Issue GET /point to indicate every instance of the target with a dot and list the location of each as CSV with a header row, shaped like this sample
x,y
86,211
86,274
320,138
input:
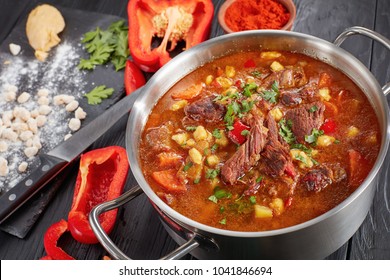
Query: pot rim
x,y
173,214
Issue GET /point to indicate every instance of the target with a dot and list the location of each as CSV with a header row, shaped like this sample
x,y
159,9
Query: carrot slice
x,y
357,168
330,108
189,92
324,80
169,181
169,159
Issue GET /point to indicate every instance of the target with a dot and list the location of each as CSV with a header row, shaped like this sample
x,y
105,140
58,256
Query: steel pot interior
x,y
195,57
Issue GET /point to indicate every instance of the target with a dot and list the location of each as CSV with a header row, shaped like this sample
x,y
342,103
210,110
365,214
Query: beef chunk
x,y
158,139
290,97
247,154
317,180
276,154
304,118
205,109
290,77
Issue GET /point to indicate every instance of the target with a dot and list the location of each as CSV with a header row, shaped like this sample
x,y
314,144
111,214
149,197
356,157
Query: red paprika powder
x,y
256,14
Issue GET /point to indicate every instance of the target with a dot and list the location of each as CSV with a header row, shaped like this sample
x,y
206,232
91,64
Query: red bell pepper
x,y
329,126
173,20
236,134
250,63
134,78
102,176
50,240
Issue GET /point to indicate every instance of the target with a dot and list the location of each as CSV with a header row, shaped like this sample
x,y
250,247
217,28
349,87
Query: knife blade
x,y
62,155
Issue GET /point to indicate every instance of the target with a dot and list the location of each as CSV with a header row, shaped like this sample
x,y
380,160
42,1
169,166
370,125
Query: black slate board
x,y
77,23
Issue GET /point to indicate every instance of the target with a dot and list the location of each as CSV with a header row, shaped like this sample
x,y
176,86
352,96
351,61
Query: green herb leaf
x,y
259,179
301,147
221,193
252,199
256,73
249,89
187,166
286,132
221,209
313,109
301,158
196,181
271,95
336,141
213,199
191,128
99,93
246,106
223,221
214,147
217,133
245,132
212,173
275,86
312,138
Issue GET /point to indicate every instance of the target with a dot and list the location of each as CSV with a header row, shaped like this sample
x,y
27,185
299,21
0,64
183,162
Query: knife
x,y
62,155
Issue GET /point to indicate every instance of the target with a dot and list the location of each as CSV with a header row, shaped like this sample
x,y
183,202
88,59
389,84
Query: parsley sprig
x,y
272,94
99,93
104,46
285,131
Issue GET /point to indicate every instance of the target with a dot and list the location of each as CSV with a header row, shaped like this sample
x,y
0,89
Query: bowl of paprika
x,y
241,15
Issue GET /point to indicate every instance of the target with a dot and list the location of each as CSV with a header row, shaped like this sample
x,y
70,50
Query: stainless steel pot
x,y
314,239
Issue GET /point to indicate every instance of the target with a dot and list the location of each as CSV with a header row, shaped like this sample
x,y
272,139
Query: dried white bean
x,y
9,134
41,120
18,127
72,106
3,167
74,124
9,87
24,97
43,100
80,113
43,92
37,142
9,96
23,166
32,125
25,135
44,110
34,113
14,49
30,151
22,113
3,146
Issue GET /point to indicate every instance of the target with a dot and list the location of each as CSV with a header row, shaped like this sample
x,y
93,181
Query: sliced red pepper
x,y
236,133
357,168
250,63
134,78
102,176
50,240
174,20
329,126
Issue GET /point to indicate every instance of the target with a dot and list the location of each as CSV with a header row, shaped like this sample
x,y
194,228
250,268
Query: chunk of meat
x,y
318,179
158,139
276,154
304,118
290,97
290,77
247,154
205,109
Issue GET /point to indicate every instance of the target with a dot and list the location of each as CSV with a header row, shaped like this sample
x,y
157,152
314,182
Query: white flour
x,y
59,75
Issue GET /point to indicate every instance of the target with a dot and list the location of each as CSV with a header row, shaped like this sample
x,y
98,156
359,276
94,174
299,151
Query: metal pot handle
x,y
110,246
369,33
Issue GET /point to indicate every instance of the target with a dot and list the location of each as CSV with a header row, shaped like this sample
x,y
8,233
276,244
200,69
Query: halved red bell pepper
x,y
134,78
50,240
172,20
102,176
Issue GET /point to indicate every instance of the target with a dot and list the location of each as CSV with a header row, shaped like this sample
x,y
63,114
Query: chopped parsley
x,y
259,179
214,147
213,198
187,166
212,173
256,73
246,106
312,138
221,209
285,131
245,132
336,141
271,95
191,128
223,221
301,147
313,109
252,199
221,193
104,46
99,93
217,133
301,158
249,89
196,181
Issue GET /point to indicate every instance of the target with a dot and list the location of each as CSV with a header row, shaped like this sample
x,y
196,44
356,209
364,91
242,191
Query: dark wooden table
x,y
138,230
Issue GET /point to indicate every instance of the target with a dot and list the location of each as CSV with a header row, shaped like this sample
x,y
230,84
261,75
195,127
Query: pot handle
x,y
369,33
110,246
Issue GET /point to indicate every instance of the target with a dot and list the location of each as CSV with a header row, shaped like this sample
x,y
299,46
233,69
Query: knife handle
x,y
48,168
